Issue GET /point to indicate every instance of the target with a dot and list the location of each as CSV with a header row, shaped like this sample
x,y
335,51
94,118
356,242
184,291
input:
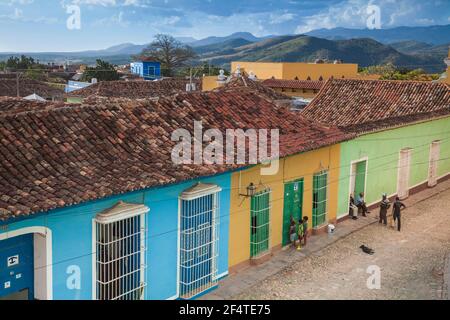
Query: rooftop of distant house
x,y
136,89
8,88
45,162
294,84
244,82
369,105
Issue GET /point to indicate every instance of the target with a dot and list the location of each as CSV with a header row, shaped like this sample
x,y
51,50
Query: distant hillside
x,y
222,47
432,34
410,47
237,35
302,48
421,48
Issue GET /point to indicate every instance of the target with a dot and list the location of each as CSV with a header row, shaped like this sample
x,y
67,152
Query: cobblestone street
x,y
411,261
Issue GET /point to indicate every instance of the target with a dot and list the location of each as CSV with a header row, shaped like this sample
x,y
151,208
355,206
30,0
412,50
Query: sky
x,y
42,25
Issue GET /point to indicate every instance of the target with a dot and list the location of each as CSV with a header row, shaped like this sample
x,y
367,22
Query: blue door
x,y
17,268
196,246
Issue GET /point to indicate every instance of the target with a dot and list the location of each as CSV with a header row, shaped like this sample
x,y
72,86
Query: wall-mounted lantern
x,y
251,190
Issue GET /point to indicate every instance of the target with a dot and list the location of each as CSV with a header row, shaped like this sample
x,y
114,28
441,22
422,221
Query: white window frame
x,y
404,172
435,150
121,215
209,190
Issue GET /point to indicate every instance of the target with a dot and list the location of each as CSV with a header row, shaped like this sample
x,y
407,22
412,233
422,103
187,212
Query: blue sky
x,y
40,25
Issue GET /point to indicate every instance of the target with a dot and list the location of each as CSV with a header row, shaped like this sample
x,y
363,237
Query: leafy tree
x,y
171,53
21,63
391,72
103,71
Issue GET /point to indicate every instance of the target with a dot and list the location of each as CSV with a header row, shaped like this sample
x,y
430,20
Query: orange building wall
x,y
301,70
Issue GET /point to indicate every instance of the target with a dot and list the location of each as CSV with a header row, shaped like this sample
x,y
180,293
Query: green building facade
x,y
393,160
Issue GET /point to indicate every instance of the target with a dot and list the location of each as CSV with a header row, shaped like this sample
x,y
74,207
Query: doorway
x,y
293,206
17,268
26,264
358,177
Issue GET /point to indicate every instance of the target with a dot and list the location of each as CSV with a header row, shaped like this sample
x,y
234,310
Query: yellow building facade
x,y
297,70
292,169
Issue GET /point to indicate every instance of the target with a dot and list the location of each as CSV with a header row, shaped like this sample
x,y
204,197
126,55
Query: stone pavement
x,y
446,280
236,284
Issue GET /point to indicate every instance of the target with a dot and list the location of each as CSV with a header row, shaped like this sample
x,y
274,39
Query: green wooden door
x,y
319,214
260,223
293,206
360,178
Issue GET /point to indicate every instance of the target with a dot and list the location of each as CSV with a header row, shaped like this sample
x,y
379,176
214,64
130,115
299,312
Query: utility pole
x,y
17,84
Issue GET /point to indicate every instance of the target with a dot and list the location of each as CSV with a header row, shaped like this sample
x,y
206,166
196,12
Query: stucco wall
x,y
301,70
291,168
72,238
382,150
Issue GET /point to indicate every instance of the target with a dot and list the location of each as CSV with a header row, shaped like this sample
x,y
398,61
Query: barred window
x,y
320,198
199,239
260,223
120,252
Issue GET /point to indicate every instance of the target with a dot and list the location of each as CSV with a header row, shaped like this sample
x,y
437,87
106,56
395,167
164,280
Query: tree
x,y
171,53
103,71
391,72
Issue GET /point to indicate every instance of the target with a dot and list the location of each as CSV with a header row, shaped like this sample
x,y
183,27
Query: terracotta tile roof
x,y
368,105
8,88
12,105
293,84
134,89
243,82
63,155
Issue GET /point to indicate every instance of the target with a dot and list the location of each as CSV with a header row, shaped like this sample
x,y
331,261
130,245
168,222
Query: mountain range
x,y
302,48
411,47
435,35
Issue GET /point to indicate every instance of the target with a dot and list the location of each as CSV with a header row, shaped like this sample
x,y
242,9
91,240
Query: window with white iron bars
x,y
260,208
199,244
320,198
121,258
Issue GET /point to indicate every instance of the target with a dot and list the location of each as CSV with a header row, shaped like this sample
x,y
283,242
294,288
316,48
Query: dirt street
x,y
411,261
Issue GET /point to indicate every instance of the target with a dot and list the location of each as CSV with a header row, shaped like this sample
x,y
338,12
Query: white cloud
x,y
281,18
351,13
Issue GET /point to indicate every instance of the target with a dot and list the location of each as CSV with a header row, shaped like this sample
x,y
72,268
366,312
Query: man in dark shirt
x,y
396,211
384,206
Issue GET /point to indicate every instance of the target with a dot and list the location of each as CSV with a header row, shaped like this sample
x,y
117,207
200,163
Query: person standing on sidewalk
x,y
302,232
396,212
305,230
384,206
361,204
293,232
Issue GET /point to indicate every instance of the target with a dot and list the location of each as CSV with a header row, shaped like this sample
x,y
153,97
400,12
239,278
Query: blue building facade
x,y
84,252
149,70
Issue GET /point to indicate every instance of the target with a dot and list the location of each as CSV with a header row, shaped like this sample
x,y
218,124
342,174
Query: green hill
x,y
301,48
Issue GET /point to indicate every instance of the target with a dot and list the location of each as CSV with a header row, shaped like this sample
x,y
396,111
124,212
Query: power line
x,y
147,237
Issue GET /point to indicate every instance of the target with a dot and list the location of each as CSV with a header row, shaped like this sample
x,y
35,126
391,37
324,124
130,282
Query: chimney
x,y
237,73
221,78
252,76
